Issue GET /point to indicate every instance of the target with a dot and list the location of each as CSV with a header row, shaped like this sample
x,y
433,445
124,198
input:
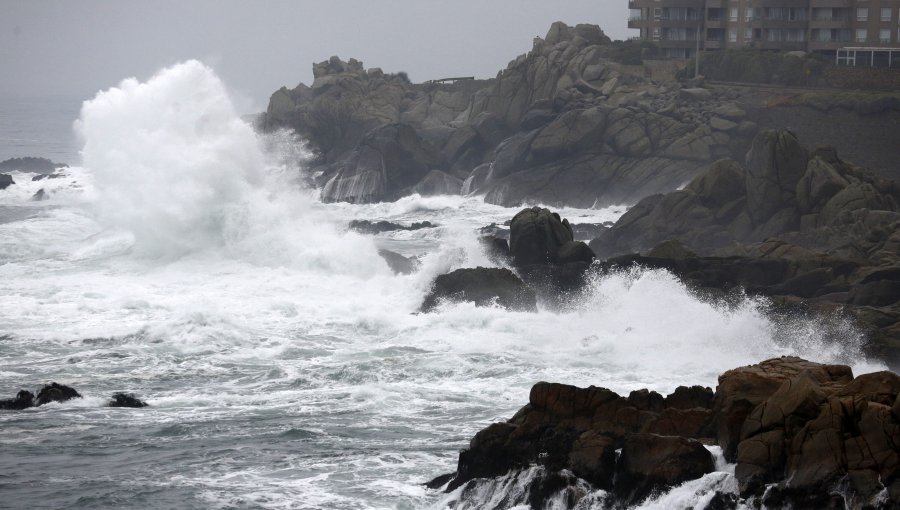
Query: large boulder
x,y
55,392
539,236
6,181
482,286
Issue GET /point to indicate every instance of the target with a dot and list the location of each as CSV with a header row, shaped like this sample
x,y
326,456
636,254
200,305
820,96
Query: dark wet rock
x,y
125,400
482,286
377,227
54,392
30,164
398,263
6,181
651,462
796,429
439,481
564,427
539,236
40,195
23,400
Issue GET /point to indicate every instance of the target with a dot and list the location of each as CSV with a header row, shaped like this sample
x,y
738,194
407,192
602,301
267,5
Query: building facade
x,y
681,27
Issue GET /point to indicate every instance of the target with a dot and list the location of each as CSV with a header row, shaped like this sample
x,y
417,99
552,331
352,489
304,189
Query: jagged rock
x,y
798,430
125,400
398,263
482,286
651,462
40,195
6,181
54,392
23,400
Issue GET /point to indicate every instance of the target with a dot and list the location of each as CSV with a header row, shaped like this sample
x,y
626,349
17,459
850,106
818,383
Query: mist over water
x,y
285,365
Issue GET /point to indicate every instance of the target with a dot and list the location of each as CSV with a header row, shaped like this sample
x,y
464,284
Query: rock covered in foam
x,y
125,400
482,286
55,392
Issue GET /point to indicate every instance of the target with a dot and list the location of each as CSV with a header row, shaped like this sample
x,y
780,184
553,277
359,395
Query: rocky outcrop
x,y
125,400
563,124
346,101
798,432
800,226
809,198
482,286
6,181
30,164
55,392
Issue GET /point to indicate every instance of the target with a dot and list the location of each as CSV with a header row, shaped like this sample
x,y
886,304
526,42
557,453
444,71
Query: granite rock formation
x,y
562,124
799,432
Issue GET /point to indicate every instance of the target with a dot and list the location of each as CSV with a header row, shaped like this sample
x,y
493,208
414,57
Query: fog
x,y
76,48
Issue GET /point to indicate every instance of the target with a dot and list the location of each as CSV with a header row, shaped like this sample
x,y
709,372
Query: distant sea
x,y
39,126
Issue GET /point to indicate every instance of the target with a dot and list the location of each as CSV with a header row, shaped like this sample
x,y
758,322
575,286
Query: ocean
x,y
182,259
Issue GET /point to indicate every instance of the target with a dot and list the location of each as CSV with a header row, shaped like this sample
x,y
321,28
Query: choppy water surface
x,y
285,365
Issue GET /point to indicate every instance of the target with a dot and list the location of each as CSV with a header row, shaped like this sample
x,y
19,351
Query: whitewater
x,y
285,365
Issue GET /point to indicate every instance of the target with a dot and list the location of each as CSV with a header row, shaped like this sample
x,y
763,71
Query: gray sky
x,y
78,47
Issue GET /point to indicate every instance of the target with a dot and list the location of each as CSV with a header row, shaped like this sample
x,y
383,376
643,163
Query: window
x,y
886,13
732,35
884,35
748,14
732,14
862,14
748,34
861,35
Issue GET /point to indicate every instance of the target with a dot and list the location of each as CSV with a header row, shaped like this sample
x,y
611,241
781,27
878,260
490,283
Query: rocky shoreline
x,y
801,435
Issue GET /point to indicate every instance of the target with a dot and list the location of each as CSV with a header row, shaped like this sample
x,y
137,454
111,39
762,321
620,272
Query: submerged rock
x,y
125,400
54,392
482,286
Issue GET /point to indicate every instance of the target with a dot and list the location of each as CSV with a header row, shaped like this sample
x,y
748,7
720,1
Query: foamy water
x,y
285,365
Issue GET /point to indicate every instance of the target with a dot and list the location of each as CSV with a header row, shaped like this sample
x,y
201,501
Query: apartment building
x,y
680,27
